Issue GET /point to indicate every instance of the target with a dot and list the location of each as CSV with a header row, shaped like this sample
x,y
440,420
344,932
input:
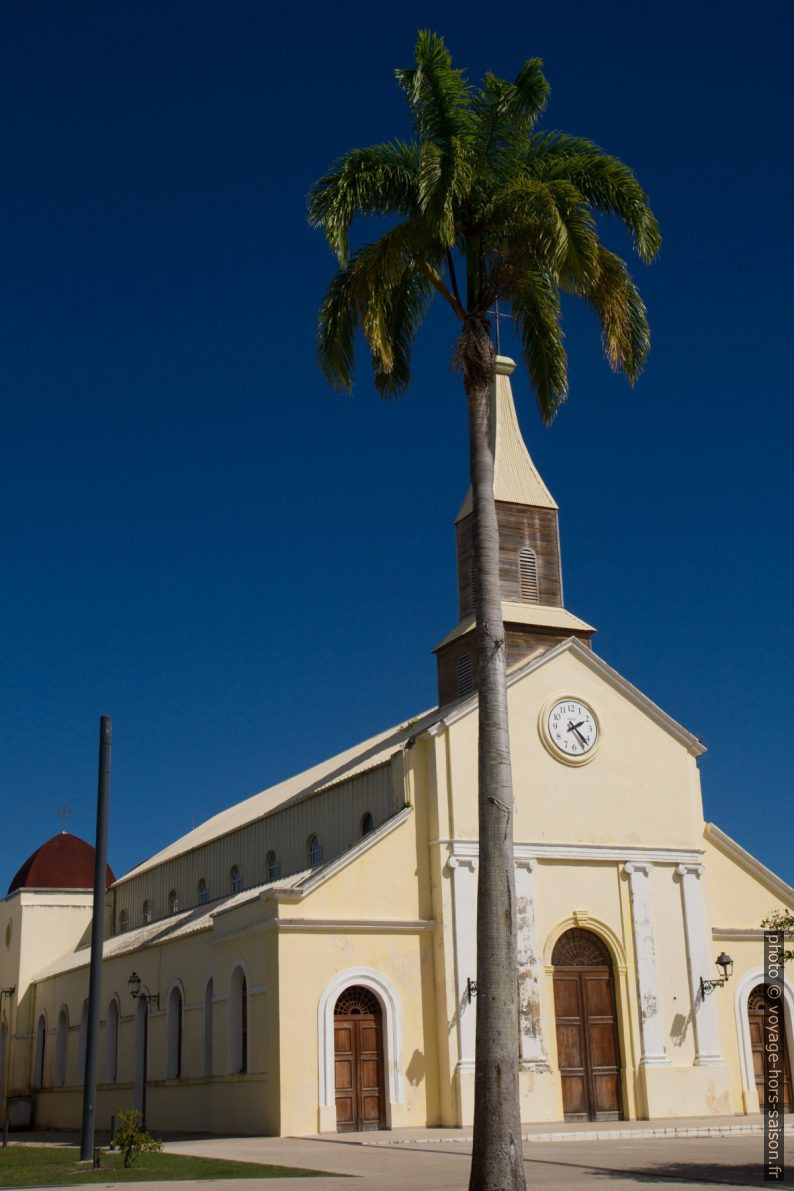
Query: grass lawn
x,y
41,1166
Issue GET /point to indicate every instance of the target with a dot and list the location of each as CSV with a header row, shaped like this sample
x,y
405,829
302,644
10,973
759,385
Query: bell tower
x,y
530,571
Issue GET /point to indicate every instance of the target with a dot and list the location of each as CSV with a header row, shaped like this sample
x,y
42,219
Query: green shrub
x,y
130,1138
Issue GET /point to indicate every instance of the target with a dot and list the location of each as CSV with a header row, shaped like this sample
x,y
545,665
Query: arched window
x,y
367,823
146,913
238,1023
173,1066
203,892
208,1028
465,679
314,851
235,879
528,574
61,1045
112,1042
273,867
38,1061
173,902
124,921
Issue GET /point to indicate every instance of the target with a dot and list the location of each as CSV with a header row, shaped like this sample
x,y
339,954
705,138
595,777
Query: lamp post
x,y
151,1000
725,965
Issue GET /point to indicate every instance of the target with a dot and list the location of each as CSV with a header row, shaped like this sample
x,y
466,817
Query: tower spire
x,y
529,556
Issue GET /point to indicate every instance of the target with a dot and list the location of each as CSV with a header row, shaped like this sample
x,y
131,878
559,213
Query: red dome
x,y
64,862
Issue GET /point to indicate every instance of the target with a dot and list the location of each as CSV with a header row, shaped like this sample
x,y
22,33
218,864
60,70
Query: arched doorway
x,y
756,1006
588,1048
358,1061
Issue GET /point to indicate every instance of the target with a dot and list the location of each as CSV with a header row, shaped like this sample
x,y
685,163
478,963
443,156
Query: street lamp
x,y
134,985
725,965
152,1001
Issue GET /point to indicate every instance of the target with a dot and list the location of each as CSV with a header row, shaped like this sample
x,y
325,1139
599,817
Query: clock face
x,y
572,727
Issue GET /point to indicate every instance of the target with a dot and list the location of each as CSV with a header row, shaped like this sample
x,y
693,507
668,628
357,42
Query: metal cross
x,y
64,811
497,315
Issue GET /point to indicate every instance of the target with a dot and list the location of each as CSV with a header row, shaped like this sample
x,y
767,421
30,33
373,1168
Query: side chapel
x,y
302,961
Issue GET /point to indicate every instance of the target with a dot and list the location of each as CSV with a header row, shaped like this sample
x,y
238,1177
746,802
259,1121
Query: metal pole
x,y
97,939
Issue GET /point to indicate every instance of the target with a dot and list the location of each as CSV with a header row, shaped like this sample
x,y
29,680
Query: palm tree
x,y
480,208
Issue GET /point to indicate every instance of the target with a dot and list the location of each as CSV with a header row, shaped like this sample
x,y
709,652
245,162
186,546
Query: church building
x,y
304,961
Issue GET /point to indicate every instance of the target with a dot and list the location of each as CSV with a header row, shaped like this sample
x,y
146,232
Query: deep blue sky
x,y
248,572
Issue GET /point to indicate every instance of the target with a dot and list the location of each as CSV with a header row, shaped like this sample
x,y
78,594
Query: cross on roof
x,y
64,811
496,312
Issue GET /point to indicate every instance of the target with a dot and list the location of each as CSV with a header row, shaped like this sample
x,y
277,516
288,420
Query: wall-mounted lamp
x,y
471,988
725,965
7,992
134,985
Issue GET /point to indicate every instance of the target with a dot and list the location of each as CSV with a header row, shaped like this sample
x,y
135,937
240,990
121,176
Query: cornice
x,y
593,662
741,856
629,854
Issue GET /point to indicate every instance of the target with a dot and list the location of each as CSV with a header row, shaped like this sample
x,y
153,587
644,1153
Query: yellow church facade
x,y
305,960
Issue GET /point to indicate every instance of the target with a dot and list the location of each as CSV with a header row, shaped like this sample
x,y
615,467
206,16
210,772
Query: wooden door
x,y
588,1049
358,1062
755,1014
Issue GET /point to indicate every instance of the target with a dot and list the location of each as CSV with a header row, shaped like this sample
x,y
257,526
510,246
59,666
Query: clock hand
x,y
575,728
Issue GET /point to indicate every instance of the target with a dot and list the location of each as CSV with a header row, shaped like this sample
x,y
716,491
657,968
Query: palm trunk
x,y
497,1160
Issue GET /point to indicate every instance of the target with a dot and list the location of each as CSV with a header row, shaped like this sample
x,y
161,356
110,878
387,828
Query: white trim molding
x,y
463,869
748,982
530,1008
607,853
389,1000
593,662
749,863
651,1032
699,963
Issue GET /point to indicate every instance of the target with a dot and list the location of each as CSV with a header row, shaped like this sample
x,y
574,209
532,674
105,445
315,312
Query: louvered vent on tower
x,y
528,569
464,672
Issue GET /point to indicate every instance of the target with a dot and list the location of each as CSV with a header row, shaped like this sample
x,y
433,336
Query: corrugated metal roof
x,y
540,615
349,763
516,479
176,926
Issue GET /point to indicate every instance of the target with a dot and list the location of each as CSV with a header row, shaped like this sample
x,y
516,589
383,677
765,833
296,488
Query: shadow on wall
x,y
415,1071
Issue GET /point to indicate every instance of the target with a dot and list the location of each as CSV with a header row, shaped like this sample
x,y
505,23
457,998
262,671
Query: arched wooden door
x,y
358,1061
588,1048
755,1013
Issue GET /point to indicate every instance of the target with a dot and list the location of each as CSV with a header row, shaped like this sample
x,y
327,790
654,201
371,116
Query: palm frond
x,y
439,99
337,324
607,184
536,313
378,180
625,333
506,112
409,302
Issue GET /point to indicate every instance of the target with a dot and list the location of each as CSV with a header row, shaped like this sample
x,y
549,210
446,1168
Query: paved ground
x,y
558,1157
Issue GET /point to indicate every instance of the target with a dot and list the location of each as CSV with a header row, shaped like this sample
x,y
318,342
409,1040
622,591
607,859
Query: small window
x,y
235,879
173,902
273,867
124,921
464,675
146,912
528,572
314,851
473,583
367,824
203,892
